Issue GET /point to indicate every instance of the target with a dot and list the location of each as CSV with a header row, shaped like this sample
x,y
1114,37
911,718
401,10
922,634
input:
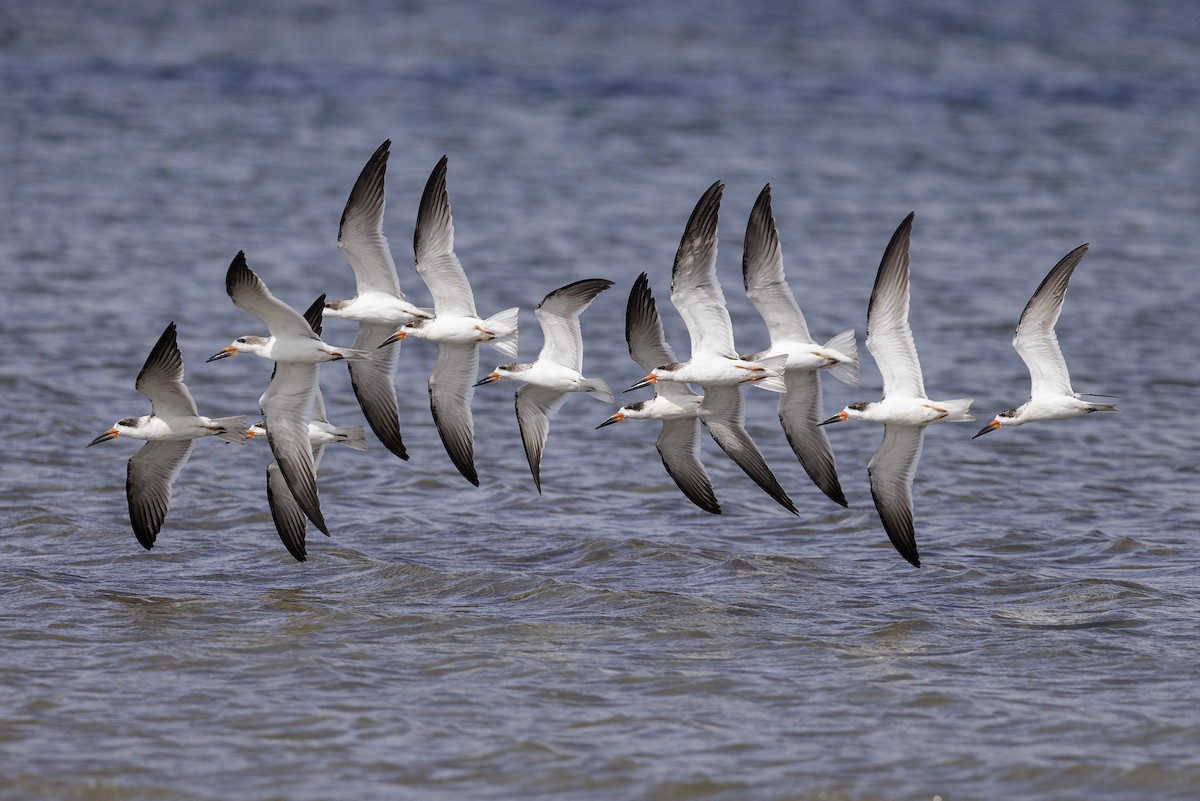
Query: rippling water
x,y
605,640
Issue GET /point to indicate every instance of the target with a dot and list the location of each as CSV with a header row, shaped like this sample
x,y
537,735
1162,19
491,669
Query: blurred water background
x,y
605,640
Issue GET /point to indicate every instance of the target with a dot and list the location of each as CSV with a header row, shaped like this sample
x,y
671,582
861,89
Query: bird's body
x,y
290,338
321,434
379,306
696,294
151,427
297,350
552,377
168,432
909,411
1051,396
675,404
714,364
456,326
682,406
558,369
808,357
294,350
905,410
289,517
725,372
465,330
375,308
378,299
800,406
1040,408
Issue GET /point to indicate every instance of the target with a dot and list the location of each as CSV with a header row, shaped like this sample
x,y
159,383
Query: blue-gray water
x,y
606,640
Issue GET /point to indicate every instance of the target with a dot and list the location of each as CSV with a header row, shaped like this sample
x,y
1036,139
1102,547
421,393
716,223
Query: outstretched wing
x,y
161,378
889,337
374,388
559,313
1035,339
148,480
535,406
290,522
679,447
360,234
433,247
891,472
800,415
722,412
762,273
695,290
286,409
644,329
451,387
249,292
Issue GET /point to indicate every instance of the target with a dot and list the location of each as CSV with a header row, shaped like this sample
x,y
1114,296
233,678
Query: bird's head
x,y
129,426
664,372
1004,418
413,328
855,411
246,344
634,411
501,372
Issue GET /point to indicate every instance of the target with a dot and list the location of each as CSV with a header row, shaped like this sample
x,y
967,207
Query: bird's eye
x,y
242,340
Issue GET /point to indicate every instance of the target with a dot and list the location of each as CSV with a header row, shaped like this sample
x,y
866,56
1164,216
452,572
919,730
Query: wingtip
x,y
238,272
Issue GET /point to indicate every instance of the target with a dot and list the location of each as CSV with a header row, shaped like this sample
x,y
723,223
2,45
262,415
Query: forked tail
x,y
504,326
773,380
957,410
350,354
1101,407
599,389
352,437
231,429
845,345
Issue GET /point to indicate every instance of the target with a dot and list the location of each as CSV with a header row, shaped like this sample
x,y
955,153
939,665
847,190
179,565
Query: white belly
x,y
459,330
905,411
663,408
1051,407
177,428
551,376
304,351
716,372
376,308
805,356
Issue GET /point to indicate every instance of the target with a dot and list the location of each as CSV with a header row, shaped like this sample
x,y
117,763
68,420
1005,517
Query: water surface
x,y
606,639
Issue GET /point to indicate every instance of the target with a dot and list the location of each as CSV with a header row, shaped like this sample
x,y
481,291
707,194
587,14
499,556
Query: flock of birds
x,y
295,425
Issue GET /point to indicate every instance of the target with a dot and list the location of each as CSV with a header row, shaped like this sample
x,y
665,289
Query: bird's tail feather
x,y
773,380
354,437
350,354
1102,407
599,389
231,429
847,371
957,410
504,326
